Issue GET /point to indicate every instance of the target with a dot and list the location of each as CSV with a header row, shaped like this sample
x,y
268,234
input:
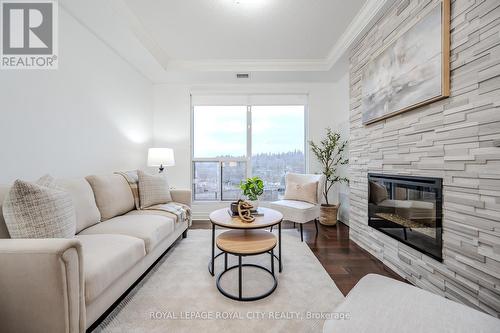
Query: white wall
x,y
92,115
328,106
341,124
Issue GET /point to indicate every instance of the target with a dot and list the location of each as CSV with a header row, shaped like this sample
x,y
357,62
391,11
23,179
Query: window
x,y
220,131
277,146
231,143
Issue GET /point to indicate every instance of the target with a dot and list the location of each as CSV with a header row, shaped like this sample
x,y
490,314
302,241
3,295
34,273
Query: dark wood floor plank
x,y
344,260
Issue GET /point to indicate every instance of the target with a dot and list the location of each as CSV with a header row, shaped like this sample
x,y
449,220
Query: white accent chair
x,y
299,211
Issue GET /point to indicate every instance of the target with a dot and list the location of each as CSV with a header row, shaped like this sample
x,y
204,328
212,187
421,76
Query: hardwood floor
x,y
345,261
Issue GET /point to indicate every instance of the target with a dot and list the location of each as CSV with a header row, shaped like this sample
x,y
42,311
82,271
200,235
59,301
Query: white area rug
x,y
179,295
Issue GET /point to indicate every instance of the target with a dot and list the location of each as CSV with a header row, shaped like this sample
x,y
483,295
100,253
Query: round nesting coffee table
x,y
243,243
222,218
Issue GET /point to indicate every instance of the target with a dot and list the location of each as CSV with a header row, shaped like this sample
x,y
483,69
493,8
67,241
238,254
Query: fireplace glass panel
x,y
407,209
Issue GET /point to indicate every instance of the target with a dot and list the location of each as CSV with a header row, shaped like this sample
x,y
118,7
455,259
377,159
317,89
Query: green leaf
x,y
252,187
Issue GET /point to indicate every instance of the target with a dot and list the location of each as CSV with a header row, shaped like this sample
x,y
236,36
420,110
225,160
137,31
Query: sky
x,y
221,130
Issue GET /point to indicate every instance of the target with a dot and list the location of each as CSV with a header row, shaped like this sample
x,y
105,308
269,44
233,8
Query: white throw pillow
x,y
302,192
153,190
39,210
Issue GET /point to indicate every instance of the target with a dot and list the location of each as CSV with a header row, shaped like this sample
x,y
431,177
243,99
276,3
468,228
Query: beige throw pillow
x,y
153,189
87,213
302,192
39,210
113,195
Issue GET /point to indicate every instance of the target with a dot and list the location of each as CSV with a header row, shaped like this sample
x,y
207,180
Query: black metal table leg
x,y
239,296
279,246
213,249
272,261
301,233
239,277
225,260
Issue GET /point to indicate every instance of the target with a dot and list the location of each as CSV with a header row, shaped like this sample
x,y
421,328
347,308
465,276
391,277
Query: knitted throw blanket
x,y
180,212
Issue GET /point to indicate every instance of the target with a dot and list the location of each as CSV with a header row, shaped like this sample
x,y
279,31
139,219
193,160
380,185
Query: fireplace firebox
x,y
408,209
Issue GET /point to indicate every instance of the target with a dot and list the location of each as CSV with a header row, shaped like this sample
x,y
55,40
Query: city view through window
x,y
232,143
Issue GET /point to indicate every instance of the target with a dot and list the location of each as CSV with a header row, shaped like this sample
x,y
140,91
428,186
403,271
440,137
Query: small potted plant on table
x,y
253,188
330,154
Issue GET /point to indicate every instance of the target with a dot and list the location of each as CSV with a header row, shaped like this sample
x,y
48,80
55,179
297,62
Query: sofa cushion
x,y
152,229
153,189
87,213
381,304
4,233
39,210
113,195
106,258
155,212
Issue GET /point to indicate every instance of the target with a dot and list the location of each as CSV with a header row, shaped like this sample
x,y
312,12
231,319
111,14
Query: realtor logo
x,y
29,34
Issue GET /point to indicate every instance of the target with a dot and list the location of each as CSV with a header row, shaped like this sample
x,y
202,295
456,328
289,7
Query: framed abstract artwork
x,y
412,71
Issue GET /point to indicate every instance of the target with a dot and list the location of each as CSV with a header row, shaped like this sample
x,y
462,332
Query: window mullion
x,y
220,180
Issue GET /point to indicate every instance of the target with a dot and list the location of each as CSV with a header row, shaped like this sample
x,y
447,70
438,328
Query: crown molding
x,y
136,27
364,19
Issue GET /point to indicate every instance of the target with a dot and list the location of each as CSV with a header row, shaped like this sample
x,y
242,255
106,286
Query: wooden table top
x,y
222,218
246,241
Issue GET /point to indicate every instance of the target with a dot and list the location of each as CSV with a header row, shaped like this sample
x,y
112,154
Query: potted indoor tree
x,y
330,154
253,188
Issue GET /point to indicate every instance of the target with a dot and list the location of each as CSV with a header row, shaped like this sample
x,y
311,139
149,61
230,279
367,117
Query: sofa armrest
x,y
182,196
42,285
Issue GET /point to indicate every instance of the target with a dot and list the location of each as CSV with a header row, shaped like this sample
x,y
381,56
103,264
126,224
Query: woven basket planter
x,y
328,215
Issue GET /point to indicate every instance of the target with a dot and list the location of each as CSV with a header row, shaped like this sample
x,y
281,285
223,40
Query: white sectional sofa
x,y
65,285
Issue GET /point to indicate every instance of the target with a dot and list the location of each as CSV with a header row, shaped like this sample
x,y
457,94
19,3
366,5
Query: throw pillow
x,y
307,192
378,193
39,210
153,190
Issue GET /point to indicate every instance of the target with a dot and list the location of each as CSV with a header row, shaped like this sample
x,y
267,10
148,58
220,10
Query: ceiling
x,y
251,29
199,41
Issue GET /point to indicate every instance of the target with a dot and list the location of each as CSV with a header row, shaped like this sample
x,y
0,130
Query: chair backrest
x,y
307,178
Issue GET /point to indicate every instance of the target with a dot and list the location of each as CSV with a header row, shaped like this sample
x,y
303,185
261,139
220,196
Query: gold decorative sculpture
x,y
245,211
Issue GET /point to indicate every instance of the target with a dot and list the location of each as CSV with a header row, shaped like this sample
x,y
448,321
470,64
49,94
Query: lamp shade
x,y
160,156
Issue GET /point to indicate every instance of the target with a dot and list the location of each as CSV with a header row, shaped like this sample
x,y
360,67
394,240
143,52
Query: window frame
x,y
248,158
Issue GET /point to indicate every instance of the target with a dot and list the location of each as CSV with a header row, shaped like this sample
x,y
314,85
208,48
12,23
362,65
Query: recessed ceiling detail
x,y
195,36
223,29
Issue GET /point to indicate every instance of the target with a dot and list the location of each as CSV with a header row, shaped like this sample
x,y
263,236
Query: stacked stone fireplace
x,y
452,139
